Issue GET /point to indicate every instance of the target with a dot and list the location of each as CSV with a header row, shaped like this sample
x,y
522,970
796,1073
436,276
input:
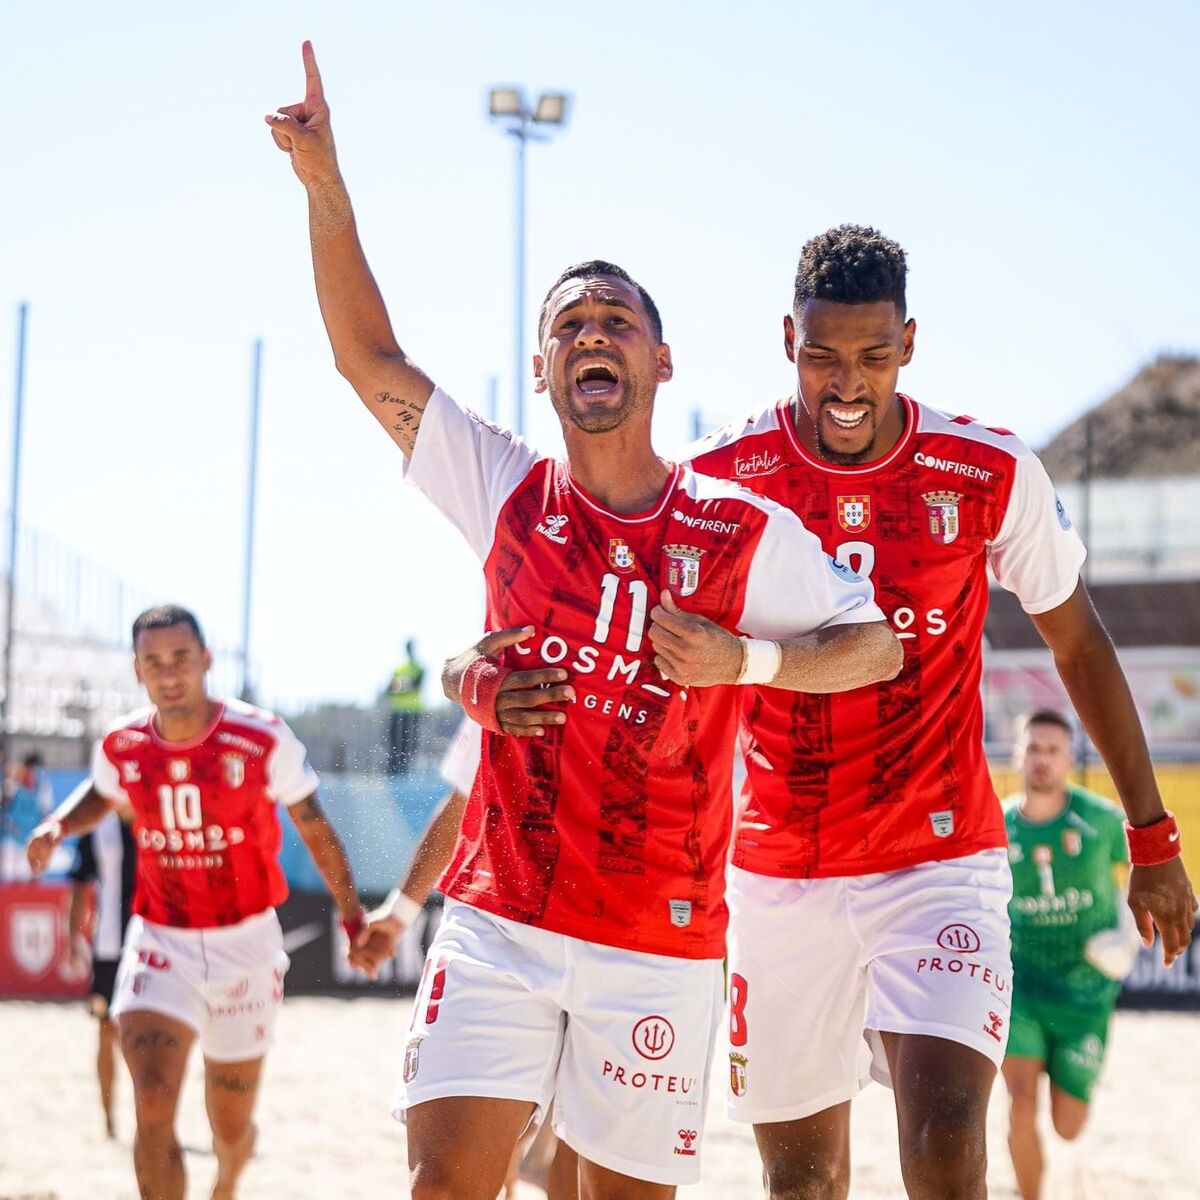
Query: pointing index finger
x,y
312,75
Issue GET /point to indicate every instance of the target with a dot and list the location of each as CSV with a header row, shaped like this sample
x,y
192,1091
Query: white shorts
x,y
226,983
820,967
622,1041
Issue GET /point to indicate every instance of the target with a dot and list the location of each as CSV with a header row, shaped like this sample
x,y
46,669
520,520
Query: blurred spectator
x,y
404,692
28,799
106,857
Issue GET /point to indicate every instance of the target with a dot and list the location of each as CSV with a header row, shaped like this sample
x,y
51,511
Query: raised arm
x,y
1087,664
394,389
81,811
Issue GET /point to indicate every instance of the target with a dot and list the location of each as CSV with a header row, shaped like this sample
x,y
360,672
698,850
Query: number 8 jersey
x,y
205,824
614,827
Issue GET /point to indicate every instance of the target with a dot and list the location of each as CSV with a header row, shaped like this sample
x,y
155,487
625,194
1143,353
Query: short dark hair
x,y
1049,716
851,264
597,268
33,759
164,616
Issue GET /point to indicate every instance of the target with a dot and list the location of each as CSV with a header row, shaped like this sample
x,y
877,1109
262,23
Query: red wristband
x,y
1152,844
354,926
480,686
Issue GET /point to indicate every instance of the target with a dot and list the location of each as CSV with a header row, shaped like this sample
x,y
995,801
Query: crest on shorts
x,y
620,557
178,769
941,511
235,769
683,568
31,938
854,512
737,1074
412,1059
942,823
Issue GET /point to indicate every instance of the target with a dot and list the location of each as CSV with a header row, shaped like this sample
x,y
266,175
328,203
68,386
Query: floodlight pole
x,y
13,500
245,690
521,133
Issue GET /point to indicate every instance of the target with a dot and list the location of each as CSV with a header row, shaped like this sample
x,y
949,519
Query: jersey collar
x,y
911,416
191,743
651,514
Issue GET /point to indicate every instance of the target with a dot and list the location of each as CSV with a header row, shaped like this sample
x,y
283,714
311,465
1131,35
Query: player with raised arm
x,y
580,955
1073,939
869,887
203,955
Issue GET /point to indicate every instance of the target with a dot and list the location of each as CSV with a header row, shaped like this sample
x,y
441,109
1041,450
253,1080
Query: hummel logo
x,y
552,528
1174,837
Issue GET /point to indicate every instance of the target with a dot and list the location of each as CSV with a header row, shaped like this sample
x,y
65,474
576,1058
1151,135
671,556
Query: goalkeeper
x,y
1073,939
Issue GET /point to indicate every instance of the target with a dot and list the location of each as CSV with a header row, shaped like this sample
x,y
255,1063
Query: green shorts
x,y
1070,1041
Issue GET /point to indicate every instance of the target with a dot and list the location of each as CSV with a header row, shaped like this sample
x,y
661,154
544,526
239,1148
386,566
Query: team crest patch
x,y
683,568
942,823
620,556
235,770
412,1059
854,512
737,1074
177,769
942,515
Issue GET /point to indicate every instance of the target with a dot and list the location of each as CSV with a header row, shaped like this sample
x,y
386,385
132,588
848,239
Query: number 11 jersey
x,y
614,827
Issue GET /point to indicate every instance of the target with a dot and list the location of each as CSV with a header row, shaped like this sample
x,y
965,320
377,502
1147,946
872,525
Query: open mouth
x,y
596,379
847,419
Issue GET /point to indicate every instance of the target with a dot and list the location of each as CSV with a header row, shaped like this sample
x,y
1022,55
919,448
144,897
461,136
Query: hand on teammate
x,y
303,130
1162,896
522,704
691,649
39,850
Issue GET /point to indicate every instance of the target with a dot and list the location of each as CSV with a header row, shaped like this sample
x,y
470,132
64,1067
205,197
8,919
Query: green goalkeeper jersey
x,y
1064,891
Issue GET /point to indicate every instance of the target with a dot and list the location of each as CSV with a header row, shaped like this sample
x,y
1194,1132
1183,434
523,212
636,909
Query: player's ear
x,y
664,368
910,334
137,670
789,337
207,660
539,374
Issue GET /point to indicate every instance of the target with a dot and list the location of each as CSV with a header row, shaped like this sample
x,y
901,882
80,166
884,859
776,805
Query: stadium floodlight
x,y
506,106
551,108
506,102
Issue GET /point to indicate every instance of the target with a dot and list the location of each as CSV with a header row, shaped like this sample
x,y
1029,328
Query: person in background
x,y
28,798
404,691
106,858
1073,939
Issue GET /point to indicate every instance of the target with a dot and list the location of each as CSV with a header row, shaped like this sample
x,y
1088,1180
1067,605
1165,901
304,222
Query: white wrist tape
x,y
402,906
763,660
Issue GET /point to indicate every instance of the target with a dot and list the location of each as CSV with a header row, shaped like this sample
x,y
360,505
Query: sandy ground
x,y
326,1135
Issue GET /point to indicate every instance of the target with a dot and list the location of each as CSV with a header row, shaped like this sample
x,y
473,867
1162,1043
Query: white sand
x,y
326,1135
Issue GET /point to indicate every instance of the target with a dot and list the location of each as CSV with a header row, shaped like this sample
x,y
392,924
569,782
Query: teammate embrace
x,y
579,960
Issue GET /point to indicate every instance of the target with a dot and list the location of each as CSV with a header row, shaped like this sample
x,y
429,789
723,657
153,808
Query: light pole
x,y
507,107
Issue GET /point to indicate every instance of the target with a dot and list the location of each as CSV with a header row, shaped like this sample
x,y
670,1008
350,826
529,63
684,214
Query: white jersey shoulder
x,y
238,712
761,420
130,720
968,429
704,488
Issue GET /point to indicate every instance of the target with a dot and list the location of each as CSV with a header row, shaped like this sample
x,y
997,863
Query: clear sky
x,y
1037,161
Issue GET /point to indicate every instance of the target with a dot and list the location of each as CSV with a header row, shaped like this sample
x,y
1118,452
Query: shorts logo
x,y
854,512
620,556
942,515
412,1059
688,1138
154,960
737,1074
1061,512
942,823
178,769
992,1028
961,938
681,913
238,991
653,1037
683,568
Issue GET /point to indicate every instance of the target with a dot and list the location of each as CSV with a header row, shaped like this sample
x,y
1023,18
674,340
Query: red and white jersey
x,y
891,775
614,828
205,823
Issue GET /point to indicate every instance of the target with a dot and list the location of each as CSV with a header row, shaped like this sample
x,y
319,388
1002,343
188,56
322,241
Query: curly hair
x,y
597,268
851,264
